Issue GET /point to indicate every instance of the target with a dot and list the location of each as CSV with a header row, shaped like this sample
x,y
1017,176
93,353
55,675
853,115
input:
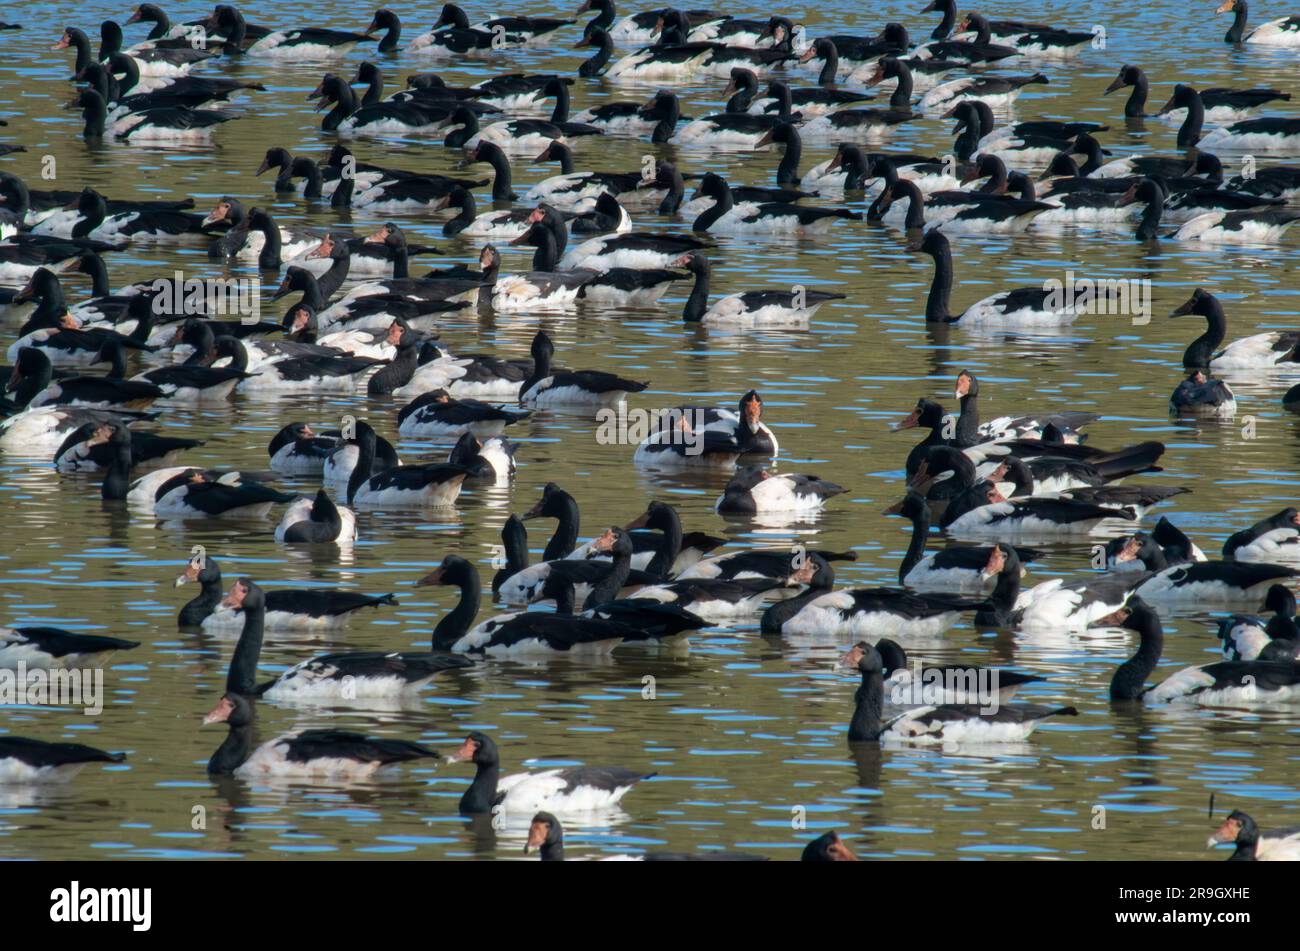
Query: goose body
x,y
317,521
946,724
1227,683
49,648
1284,31
1258,351
575,789
26,761
1271,540
319,609
754,490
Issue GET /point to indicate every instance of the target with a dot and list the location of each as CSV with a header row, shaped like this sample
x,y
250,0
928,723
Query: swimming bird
x,y
947,724
24,760
337,755
1284,31
574,789
1272,349
1227,683
1023,307
1252,844
280,609
317,521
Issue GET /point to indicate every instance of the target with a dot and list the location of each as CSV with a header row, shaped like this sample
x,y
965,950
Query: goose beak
x,y
220,713
432,578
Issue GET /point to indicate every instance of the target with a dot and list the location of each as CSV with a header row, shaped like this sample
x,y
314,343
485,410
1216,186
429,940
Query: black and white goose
x,y
1022,307
154,59
596,571
33,381
501,225
436,414
50,648
957,568
1199,395
194,381
329,755
634,117
467,376
349,117
1193,108
1055,605
192,493
322,372
92,220
775,564
491,458
580,388
917,684
677,443
1279,348
601,214
1284,31
563,191
744,423
641,250
757,309
89,447
317,521
373,306
756,491
281,609
1252,844
1252,638
946,724
43,432
1258,226
307,44
574,789
349,675
659,546
718,599
957,212
1230,683
737,130
1273,539
524,136
999,92
515,30
822,611
1232,583
543,288
298,449
432,484
726,216
1030,39
258,237
26,761
985,512
162,126
525,633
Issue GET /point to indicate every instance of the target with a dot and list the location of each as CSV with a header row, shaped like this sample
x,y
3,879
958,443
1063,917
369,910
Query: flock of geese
x,y
85,373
